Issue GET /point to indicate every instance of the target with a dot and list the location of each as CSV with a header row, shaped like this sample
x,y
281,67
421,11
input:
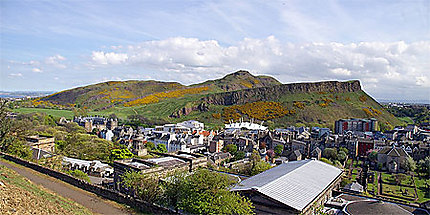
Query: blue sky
x,y
55,45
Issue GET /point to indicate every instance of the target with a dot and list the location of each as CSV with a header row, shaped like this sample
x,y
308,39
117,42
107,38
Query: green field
x,y
423,190
406,120
399,191
53,112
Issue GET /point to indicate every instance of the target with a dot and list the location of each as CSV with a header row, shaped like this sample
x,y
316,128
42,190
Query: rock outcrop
x,y
274,92
202,107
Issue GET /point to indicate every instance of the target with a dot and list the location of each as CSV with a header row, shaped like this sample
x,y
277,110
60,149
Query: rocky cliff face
x,y
274,92
202,107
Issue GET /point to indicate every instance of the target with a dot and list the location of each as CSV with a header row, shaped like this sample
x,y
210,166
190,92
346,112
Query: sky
x,y
57,45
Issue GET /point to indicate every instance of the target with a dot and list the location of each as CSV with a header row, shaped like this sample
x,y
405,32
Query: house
x,y
390,158
298,145
354,124
46,143
291,188
216,144
293,155
218,157
95,122
364,145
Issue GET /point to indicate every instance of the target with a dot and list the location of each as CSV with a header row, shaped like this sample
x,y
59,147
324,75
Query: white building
x,y
246,125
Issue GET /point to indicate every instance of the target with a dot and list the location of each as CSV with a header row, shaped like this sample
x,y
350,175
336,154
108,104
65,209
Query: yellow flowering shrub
x,y
298,104
371,112
154,98
257,110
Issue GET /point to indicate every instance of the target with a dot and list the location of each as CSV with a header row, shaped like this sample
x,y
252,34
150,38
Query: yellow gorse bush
x,y
257,110
156,97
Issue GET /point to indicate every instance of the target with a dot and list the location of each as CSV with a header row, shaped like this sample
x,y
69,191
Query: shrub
x,y
79,174
161,148
257,110
119,154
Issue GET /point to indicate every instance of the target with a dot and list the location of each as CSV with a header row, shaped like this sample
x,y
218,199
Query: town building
x,y
95,122
93,168
291,188
391,158
43,142
355,124
161,163
245,125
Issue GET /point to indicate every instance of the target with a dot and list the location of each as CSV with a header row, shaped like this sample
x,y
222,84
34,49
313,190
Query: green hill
x,y
237,95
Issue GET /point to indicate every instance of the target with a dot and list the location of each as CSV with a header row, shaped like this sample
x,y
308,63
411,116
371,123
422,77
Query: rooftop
x,y
295,184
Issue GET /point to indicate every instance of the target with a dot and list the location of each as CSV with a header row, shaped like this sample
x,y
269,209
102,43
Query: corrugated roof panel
x,y
269,175
295,183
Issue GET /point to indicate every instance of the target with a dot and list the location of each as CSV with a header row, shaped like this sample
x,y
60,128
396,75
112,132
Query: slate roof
x,y
354,187
394,152
295,184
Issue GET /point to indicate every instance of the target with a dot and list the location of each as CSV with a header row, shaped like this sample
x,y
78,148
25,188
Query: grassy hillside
x,y
111,94
20,196
237,95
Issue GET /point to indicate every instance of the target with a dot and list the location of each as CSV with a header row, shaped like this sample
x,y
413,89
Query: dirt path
x,y
93,202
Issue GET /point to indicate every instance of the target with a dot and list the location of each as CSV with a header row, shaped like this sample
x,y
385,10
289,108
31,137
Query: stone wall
x,y
100,191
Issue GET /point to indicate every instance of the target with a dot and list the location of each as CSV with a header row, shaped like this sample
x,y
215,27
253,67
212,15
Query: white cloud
x,y
56,61
36,70
108,58
341,71
385,69
16,74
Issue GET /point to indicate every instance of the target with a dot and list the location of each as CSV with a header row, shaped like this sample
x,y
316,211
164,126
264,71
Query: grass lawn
x,y
387,178
398,191
407,120
422,190
20,196
53,112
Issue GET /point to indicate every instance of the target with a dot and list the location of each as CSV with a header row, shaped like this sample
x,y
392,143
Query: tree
x,y
343,149
409,164
231,148
424,166
5,127
279,149
341,156
330,153
20,149
150,145
260,167
373,156
206,192
325,160
239,155
145,186
161,148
